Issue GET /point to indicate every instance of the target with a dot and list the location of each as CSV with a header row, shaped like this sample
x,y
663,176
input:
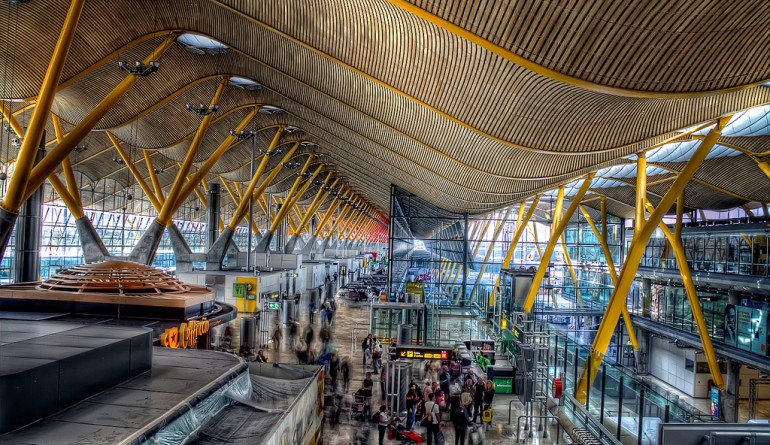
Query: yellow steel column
x,y
641,192
679,212
285,207
692,297
329,213
61,190
340,218
496,234
567,260
317,200
15,125
226,144
252,190
292,201
153,177
480,236
532,229
174,194
613,274
634,256
56,156
25,159
69,174
132,168
545,258
521,224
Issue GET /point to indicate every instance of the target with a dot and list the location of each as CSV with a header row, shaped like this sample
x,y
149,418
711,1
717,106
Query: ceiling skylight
x,y
198,44
246,84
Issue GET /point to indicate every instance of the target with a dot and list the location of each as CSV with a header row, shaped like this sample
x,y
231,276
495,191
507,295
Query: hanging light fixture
x,y
202,110
80,148
139,69
291,165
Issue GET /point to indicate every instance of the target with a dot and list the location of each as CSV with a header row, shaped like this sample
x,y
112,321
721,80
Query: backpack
x,y
466,398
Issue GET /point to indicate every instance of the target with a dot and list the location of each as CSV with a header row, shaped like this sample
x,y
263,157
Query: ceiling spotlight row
x,y
139,69
202,110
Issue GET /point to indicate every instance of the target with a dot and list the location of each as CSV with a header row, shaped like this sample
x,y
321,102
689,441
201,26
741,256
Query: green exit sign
x,y
293,275
273,305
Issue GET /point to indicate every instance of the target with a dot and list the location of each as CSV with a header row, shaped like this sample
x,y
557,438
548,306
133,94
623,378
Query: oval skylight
x,y
246,84
270,109
198,44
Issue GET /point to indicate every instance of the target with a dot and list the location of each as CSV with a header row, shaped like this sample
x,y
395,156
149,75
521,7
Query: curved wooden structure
x,y
471,105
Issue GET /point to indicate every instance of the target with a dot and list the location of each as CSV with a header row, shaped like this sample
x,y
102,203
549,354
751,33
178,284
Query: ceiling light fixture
x,y
202,110
291,165
118,161
290,129
158,170
139,69
80,148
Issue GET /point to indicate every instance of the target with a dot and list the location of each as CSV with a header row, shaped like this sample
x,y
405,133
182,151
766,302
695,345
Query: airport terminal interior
x,y
384,222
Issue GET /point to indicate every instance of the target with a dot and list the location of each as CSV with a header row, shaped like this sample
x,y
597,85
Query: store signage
x,y
714,401
423,352
186,335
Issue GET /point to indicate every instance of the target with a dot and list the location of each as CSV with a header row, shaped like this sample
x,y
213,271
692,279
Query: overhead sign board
x,y
423,353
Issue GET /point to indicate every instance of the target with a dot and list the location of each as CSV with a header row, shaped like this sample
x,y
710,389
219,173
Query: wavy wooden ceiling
x,y
393,97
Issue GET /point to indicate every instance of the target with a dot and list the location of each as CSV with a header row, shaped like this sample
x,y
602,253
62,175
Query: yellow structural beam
x,y
602,237
567,260
252,190
692,297
64,195
496,234
641,192
338,221
174,194
223,147
556,232
291,200
634,256
319,197
532,229
286,206
521,223
25,159
14,124
154,177
480,236
330,212
56,156
132,168
69,173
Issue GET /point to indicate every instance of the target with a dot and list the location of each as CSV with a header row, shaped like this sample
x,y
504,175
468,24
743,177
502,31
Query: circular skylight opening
x,y
292,130
246,84
198,44
270,109
307,144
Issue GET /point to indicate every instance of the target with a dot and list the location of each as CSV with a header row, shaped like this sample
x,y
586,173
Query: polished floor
x,y
350,323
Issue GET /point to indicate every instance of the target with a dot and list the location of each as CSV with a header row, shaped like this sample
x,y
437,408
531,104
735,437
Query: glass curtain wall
x,y
119,230
456,259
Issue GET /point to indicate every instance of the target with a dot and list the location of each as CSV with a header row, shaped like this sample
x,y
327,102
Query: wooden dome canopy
x,y
124,278
469,105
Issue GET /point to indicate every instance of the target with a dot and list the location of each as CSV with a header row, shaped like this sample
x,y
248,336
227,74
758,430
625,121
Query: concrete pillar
x,y
145,249
29,233
731,398
212,214
309,246
92,245
289,247
643,353
182,251
216,253
646,296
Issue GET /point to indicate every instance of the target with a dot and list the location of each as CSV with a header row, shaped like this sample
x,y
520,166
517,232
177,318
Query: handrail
x,y
545,429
